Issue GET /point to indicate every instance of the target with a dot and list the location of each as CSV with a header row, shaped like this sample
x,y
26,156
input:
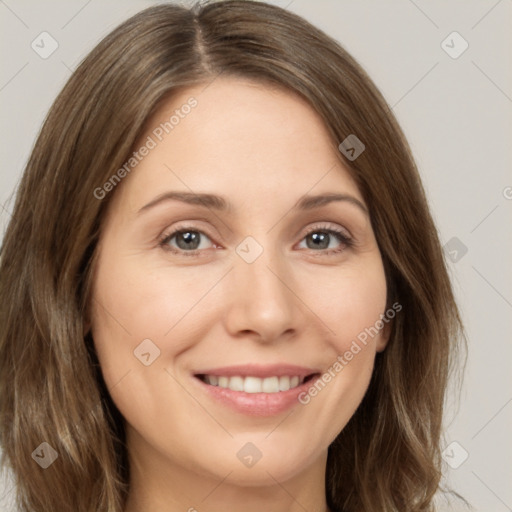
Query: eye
x,y
326,240
190,241
186,240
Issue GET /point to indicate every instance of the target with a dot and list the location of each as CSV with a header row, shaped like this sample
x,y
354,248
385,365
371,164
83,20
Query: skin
x,y
262,149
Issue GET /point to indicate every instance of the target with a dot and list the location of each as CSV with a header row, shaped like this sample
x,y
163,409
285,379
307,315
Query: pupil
x,y
321,240
187,240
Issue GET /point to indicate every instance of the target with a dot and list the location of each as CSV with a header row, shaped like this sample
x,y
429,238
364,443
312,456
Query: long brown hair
x,y
51,390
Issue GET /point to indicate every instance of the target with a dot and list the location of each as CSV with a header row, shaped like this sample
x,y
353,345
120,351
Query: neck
x,y
159,485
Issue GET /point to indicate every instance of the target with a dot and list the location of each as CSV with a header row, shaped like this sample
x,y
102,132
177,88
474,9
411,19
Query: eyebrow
x,y
215,202
309,202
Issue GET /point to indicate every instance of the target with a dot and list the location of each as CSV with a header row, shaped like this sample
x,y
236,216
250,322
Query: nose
x,y
262,303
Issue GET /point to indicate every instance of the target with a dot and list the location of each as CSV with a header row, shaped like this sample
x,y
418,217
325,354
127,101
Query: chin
x,y
274,465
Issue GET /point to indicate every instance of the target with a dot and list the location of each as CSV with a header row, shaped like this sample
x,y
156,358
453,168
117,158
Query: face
x,y
238,316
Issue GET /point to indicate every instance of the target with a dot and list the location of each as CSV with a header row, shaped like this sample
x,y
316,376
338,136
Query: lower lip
x,y
256,404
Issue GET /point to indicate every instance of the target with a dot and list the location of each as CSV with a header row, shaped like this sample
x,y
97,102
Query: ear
x,y
384,335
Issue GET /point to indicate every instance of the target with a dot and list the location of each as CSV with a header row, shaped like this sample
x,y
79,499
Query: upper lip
x,y
261,371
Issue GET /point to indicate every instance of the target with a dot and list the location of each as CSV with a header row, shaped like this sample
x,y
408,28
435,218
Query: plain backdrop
x,y
456,111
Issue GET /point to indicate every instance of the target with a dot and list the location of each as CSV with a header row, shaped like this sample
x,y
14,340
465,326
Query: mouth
x,y
253,384
256,390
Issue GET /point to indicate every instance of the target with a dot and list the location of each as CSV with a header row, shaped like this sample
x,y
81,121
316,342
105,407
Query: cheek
x,y
351,306
350,302
143,302
135,301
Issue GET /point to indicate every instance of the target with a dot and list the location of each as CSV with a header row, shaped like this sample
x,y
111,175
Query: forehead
x,y
241,139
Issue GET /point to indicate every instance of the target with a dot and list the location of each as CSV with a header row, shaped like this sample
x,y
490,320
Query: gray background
x,y
456,113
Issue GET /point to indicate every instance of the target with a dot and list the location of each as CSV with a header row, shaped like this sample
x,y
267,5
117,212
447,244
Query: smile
x,y
255,390
253,384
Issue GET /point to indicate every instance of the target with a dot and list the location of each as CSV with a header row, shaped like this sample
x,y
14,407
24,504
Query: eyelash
x,y
345,240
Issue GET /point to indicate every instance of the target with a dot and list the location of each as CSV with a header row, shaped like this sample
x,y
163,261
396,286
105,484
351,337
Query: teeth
x,y
236,383
284,383
270,385
251,384
255,384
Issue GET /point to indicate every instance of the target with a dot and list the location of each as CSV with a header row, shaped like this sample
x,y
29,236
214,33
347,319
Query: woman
x,y
222,287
